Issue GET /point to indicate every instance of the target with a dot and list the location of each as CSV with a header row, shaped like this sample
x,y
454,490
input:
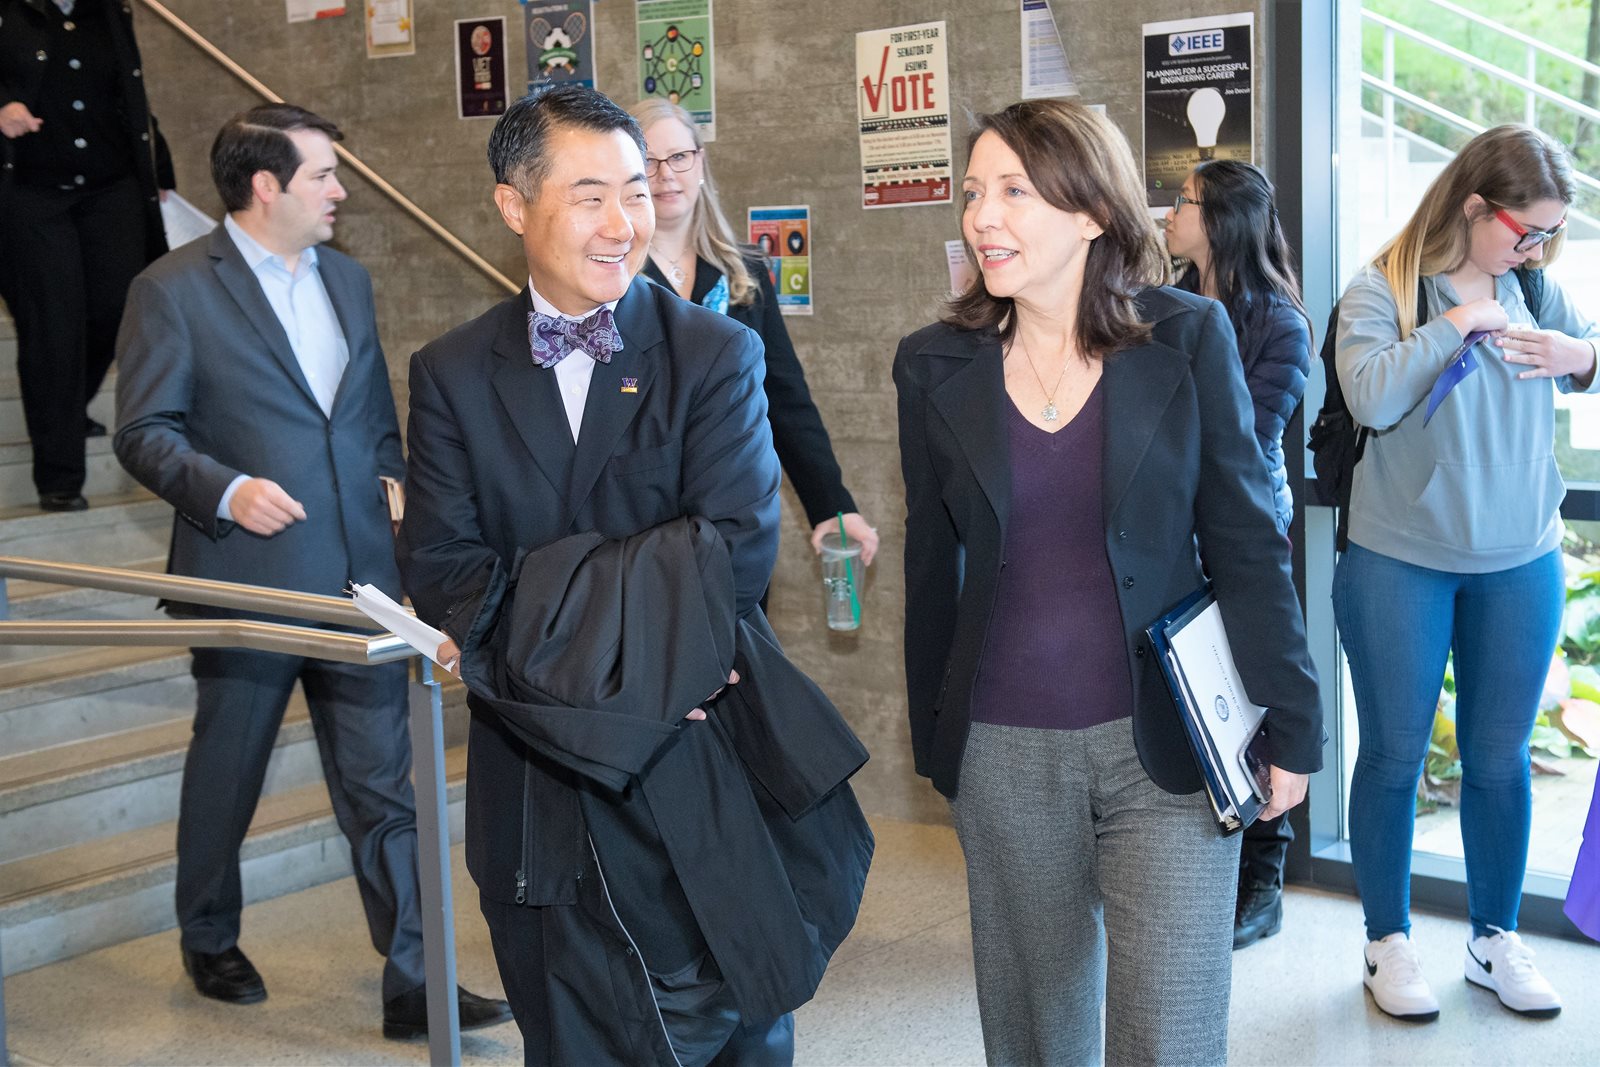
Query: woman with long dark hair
x,y
1455,540
1069,434
1225,224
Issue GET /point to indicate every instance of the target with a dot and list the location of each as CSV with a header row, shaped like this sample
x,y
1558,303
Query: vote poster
x,y
783,234
903,102
481,90
675,58
560,43
1198,102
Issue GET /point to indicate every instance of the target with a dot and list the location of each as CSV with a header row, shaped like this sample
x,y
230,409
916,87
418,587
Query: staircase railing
x,y
404,202
426,716
1534,94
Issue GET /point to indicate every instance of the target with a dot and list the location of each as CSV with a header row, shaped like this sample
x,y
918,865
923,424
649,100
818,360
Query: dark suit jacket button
x,y
1127,583
1122,535
1138,652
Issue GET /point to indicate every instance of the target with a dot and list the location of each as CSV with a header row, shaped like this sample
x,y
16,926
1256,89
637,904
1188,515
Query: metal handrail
x,y
1561,100
1518,36
213,633
425,715
404,202
235,595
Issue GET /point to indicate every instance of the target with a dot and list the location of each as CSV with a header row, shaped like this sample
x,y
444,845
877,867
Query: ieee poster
x,y
1197,98
391,30
560,43
783,234
481,91
903,101
1045,72
675,57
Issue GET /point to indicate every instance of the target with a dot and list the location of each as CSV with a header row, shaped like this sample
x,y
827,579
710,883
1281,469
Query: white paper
x,y
962,274
1045,71
1208,668
391,22
376,605
183,221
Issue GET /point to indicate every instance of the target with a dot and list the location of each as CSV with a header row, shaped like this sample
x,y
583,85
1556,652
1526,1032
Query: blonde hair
x,y
709,232
1509,166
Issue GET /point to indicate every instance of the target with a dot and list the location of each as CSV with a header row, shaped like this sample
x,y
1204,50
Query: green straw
x,y
849,573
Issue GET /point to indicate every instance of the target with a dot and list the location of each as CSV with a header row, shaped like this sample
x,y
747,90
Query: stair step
x,y
78,899
132,525
104,476
13,426
73,793
91,693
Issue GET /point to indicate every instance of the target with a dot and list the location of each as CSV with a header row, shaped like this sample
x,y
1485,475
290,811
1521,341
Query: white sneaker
x,y
1393,975
1504,964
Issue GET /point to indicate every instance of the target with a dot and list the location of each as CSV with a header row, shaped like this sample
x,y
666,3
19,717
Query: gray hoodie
x,y
1477,489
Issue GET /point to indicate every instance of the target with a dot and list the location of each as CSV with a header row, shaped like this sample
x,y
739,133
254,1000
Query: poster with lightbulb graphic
x,y
1198,98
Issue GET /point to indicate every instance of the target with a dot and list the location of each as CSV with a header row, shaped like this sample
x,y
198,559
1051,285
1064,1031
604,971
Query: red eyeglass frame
x,y
1528,239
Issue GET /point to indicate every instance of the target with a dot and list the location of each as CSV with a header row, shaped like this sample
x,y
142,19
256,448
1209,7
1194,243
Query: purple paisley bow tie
x,y
553,338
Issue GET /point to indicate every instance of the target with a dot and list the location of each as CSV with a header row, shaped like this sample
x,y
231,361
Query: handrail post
x,y
1388,123
5,1055
433,861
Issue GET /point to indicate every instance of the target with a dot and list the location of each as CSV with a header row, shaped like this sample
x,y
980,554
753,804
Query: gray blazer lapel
x,y
345,296
241,284
531,398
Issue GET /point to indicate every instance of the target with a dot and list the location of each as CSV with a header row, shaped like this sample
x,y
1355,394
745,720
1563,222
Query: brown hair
x,y
1509,166
1079,162
711,236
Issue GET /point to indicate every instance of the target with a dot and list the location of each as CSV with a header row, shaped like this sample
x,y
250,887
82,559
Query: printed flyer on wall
x,y
310,10
784,236
1197,98
903,101
675,57
1045,72
390,29
481,91
560,40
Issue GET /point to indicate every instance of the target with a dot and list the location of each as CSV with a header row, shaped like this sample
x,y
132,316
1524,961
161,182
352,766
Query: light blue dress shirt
x,y
300,301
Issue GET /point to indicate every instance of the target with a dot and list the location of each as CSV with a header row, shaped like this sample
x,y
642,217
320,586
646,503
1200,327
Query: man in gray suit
x,y
253,396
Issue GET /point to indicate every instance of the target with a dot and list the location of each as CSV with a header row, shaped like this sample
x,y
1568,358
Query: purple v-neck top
x,y
1054,658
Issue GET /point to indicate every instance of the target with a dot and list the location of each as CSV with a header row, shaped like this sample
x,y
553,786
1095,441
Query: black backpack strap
x,y
1531,280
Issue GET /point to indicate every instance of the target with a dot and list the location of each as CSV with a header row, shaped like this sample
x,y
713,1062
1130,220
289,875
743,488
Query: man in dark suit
x,y
255,399
595,400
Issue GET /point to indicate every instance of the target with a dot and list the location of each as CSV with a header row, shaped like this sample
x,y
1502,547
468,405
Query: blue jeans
x,y
1399,622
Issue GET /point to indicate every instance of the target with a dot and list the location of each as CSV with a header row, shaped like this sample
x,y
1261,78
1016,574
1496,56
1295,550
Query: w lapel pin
x,y
630,385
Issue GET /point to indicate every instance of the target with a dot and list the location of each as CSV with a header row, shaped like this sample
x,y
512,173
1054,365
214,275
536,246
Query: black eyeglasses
x,y
1180,200
678,162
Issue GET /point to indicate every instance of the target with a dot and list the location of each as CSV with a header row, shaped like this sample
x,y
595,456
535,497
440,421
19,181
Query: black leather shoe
x,y
1259,914
407,1015
93,427
227,976
62,502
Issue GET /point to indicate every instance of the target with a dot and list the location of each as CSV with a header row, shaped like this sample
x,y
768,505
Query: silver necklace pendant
x,y
1050,412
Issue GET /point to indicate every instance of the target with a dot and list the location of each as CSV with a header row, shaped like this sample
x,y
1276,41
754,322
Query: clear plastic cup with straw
x,y
841,560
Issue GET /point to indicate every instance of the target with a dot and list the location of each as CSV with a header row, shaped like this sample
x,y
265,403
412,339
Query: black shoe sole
x,y
255,996
397,1031
1526,1013
1420,1017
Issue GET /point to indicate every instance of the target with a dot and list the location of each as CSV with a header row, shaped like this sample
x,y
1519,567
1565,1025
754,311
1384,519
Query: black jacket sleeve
x,y
798,434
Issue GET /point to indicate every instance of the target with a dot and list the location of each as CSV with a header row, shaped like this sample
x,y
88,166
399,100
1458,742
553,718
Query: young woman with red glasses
x,y
1455,535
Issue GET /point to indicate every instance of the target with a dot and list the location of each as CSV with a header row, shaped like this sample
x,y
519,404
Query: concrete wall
x,y
786,134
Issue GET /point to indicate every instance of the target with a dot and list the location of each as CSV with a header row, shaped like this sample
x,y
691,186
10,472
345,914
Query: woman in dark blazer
x,y
1073,440
694,254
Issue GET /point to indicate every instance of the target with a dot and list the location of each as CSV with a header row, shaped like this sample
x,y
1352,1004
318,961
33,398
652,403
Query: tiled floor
x,y
899,991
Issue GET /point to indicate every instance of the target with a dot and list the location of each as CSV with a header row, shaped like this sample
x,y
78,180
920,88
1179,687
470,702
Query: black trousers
x,y
582,994
66,258
358,714
1262,852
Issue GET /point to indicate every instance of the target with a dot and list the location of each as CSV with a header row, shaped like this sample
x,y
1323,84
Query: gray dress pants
x,y
1091,885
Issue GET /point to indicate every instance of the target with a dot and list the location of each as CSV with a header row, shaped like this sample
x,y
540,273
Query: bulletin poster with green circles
x,y
675,57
